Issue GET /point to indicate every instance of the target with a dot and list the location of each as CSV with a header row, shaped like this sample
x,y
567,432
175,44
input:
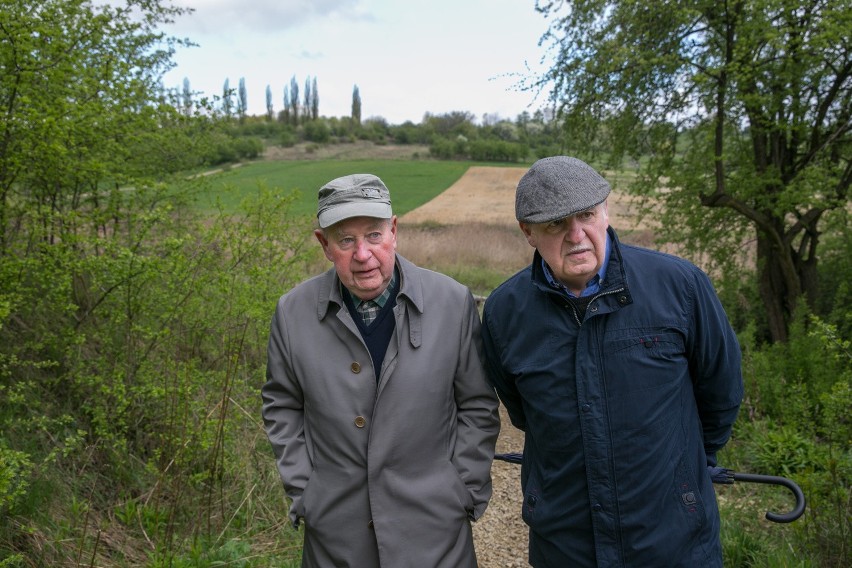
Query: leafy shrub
x,y
497,151
444,149
15,469
317,131
799,395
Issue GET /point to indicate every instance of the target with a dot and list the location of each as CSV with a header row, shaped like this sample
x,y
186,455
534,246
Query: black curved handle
x,y
799,508
727,476
510,457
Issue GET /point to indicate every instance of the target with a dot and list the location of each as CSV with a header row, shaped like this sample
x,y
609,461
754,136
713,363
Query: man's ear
x,y
527,233
320,235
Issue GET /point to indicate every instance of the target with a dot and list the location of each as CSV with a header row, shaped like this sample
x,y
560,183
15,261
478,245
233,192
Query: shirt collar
x,y
593,286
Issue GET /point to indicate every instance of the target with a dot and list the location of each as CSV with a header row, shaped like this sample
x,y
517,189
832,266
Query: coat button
x,y
360,421
355,367
370,524
622,299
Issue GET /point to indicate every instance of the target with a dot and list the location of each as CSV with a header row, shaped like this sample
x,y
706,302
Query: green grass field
x,y
411,183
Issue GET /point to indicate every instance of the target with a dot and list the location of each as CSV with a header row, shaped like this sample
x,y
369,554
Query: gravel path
x,y
500,535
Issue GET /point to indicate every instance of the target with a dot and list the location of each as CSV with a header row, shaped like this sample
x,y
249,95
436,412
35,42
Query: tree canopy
x,y
744,110
80,105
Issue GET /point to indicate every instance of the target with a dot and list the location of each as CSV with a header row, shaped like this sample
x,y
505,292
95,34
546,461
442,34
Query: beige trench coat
x,y
386,474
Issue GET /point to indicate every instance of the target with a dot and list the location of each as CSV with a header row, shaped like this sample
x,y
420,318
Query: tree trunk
x,y
786,275
771,288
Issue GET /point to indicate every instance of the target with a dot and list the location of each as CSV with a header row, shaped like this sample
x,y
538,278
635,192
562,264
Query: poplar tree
x,y
356,105
242,100
314,100
286,112
186,98
227,99
294,100
307,104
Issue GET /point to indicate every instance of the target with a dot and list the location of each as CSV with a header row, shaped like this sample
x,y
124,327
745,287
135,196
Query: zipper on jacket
x,y
592,301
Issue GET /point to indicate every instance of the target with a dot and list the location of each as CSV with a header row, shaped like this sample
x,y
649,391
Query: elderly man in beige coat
x,y
376,403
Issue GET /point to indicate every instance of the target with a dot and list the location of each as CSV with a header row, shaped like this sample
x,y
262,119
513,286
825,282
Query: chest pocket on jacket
x,y
645,370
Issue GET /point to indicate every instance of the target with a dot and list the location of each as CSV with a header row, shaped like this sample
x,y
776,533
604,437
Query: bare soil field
x,y
487,195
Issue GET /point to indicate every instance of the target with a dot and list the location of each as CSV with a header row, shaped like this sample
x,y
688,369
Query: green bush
x,y
317,131
497,151
795,422
15,471
132,357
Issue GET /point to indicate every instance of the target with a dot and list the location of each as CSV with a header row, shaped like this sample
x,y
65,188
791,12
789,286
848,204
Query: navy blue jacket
x,y
622,411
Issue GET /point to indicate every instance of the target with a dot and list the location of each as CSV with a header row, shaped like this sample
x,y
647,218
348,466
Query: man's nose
x,y
362,251
574,233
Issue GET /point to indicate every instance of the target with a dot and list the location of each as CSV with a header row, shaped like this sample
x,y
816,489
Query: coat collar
x,y
410,288
615,275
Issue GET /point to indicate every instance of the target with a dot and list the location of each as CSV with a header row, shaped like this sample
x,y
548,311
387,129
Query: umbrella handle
x,y
797,511
510,457
729,477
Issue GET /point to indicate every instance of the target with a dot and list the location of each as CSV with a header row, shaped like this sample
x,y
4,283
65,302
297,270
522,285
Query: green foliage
x,y
795,422
446,149
497,151
737,114
132,331
153,356
316,131
15,470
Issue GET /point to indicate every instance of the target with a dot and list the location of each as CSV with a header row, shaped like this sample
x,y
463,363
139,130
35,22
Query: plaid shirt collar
x,y
382,299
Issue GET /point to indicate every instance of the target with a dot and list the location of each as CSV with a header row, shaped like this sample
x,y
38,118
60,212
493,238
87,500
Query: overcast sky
x,y
407,58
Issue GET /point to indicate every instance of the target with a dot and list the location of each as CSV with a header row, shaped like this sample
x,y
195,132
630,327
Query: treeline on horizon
x,y
452,135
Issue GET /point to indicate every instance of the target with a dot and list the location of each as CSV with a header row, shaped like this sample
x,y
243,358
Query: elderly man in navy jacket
x,y
622,369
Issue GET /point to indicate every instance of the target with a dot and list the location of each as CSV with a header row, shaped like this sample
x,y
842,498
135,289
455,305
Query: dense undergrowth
x,y
131,361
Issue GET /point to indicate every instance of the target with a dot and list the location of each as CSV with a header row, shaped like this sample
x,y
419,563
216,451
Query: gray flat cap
x,y
558,187
356,195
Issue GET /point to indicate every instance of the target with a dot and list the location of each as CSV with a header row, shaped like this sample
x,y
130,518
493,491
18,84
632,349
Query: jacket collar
x,y
614,276
410,288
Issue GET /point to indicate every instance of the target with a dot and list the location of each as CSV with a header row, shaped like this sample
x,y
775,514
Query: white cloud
x,y
263,16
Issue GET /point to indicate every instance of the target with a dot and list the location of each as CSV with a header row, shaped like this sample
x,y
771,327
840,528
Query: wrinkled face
x,y
574,247
363,250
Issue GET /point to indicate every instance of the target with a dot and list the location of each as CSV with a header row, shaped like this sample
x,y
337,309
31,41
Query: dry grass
x,y
499,248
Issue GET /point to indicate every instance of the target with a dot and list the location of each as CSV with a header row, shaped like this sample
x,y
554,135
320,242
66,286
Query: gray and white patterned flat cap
x,y
558,187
